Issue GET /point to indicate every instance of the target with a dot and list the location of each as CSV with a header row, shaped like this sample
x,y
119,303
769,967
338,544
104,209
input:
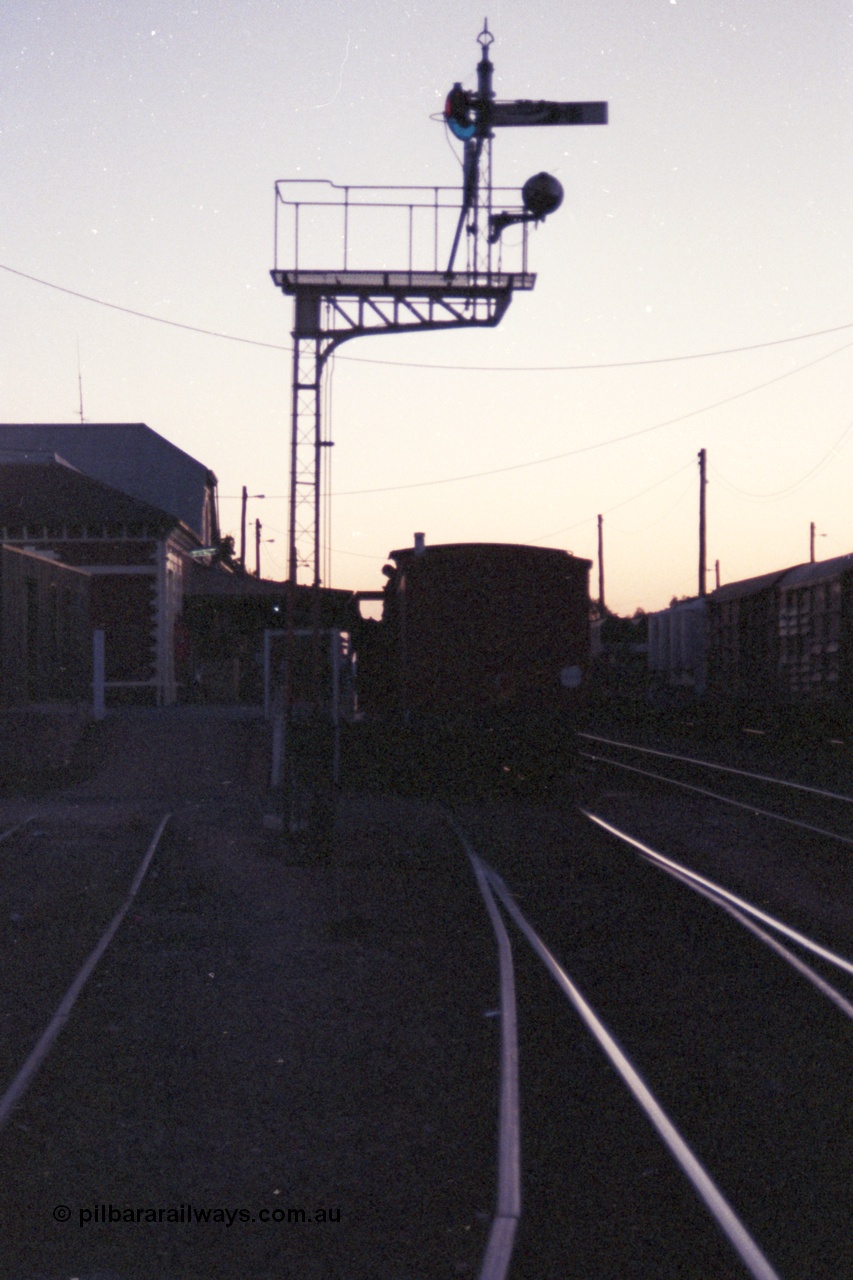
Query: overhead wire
x,y
662,516
363,555
556,533
753,496
410,364
578,524
774,495
144,315
599,444
476,475
613,364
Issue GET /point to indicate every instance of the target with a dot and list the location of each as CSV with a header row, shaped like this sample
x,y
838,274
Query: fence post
x,y
98,675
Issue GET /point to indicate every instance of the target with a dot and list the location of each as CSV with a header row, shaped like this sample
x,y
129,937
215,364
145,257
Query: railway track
x,y
258,1029
59,924
262,1035
758,792
728,1025
782,830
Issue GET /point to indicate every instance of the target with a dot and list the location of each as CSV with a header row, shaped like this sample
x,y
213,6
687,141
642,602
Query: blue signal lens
x,y
462,131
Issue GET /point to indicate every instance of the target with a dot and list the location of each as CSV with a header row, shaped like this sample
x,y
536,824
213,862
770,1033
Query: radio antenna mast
x,y
80,383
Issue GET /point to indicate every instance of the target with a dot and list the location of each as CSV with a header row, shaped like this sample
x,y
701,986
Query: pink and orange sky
x,y
140,143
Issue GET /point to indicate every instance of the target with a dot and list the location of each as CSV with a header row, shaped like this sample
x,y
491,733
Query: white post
x,y
267,690
98,675
335,647
277,762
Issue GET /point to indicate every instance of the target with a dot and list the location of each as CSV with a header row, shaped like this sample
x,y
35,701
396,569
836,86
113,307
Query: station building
x,y
130,509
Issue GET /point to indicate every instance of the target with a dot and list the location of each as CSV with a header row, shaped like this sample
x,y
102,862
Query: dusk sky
x,y
695,289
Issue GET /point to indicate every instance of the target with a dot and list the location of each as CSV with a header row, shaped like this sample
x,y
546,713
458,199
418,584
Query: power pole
x,y
244,500
811,542
257,548
717,573
601,565
702,528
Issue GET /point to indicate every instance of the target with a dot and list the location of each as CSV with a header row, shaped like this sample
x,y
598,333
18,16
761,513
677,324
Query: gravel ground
x,y
274,1034
267,1033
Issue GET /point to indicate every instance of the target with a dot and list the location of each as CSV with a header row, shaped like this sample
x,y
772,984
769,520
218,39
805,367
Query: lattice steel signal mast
x,y
368,260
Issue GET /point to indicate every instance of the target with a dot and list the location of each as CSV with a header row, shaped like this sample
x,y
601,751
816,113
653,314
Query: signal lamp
x,y
542,194
457,113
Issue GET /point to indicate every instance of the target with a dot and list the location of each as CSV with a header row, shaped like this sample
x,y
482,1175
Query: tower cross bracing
x,y
408,231
334,305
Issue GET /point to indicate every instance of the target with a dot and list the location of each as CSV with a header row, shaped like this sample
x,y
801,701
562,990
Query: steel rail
x,y
18,826
499,1248
715,795
810,974
37,1055
721,768
665,863
724,1215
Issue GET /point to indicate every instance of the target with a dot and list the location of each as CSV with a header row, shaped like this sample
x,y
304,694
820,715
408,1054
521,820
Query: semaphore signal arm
x,y
335,301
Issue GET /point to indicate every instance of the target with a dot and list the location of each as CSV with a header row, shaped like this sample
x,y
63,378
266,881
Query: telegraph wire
x,y
658,519
556,533
600,444
797,484
615,364
410,364
364,555
144,315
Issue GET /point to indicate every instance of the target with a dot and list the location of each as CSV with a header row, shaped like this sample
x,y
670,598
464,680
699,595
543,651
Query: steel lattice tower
x,y
333,304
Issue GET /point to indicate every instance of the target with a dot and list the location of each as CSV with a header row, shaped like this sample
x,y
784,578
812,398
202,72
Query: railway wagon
x,y
785,640
487,646
816,634
743,642
779,647
677,659
481,626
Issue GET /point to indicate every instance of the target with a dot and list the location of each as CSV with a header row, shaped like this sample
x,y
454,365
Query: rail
x,y
32,1064
754,1260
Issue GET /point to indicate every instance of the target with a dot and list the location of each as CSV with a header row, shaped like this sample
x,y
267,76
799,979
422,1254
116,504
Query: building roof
x,y
746,587
129,457
805,574
447,550
799,575
45,492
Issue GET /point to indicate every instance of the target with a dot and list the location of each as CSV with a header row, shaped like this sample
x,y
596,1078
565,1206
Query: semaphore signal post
x,y
369,260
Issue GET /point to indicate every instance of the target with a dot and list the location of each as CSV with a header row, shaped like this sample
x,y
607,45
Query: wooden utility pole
x,y
601,565
702,528
257,548
811,542
244,500
717,573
